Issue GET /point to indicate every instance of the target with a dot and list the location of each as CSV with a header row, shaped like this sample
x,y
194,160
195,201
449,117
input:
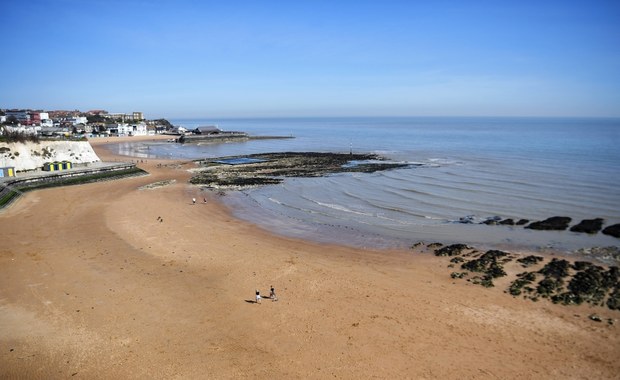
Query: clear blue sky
x,y
313,58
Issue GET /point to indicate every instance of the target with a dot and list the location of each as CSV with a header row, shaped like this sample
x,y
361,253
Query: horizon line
x,y
391,116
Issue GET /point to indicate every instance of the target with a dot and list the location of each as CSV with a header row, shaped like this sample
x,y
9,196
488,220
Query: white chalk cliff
x,y
30,155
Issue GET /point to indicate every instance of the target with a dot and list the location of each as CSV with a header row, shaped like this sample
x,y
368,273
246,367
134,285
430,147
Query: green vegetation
x,y
19,137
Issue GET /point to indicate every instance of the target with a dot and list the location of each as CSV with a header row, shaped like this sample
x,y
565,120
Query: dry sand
x,y
93,285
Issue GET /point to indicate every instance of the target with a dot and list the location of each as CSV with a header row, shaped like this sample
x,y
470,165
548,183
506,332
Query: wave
x,y
343,208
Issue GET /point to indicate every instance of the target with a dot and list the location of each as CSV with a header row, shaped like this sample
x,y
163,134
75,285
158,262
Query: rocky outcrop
x,y
555,223
589,226
558,280
613,230
452,250
271,168
31,155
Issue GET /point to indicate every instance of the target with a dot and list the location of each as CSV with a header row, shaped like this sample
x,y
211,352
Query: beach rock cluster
x,y
555,223
558,280
272,168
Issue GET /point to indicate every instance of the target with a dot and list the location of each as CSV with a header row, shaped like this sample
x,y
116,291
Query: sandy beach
x,y
124,280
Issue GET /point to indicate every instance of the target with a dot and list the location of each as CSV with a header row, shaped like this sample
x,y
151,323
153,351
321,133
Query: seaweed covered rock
x,y
589,226
452,250
556,268
612,230
522,222
550,286
613,302
581,265
588,285
488,264
555,223
271,168
524,279
555,271
485,280
530,260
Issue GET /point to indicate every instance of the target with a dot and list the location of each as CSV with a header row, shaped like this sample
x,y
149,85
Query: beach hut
x,y
56,166
7,171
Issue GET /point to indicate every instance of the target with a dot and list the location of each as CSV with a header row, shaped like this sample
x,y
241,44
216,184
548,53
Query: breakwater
x,y
226,137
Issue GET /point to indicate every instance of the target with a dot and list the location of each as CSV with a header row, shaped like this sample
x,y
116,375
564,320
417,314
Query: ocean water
x,y
467,168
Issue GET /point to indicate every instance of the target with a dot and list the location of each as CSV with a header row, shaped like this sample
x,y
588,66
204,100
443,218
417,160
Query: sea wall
x,y
31,155
11,188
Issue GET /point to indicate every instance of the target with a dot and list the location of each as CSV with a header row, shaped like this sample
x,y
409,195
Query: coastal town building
x,y
96,122
25,117
21,116
123,129
207,130
54,131
124,117
179,130
75,120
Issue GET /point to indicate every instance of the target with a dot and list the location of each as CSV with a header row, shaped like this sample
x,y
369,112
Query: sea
x,y
464,170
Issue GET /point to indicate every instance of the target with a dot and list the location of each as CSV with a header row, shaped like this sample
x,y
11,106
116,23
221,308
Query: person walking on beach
x,y
257,296
272,294
193,201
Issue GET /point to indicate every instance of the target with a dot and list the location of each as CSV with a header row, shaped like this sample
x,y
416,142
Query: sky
x,y
270,58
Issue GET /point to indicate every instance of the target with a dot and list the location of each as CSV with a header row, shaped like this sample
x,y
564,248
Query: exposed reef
x,y
613,230
589,226
555,223
558,280
272,168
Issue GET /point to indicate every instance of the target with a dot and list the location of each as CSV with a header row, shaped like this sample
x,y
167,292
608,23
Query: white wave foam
x,y
343,209
275,201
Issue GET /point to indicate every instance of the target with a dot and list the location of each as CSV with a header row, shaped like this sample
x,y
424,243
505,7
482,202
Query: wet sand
x,y
108,280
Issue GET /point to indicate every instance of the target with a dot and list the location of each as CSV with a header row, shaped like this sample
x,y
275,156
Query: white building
x,y
123,129
77,120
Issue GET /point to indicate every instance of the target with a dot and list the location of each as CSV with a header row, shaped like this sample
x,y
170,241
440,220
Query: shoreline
x,y
512,238
117,279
